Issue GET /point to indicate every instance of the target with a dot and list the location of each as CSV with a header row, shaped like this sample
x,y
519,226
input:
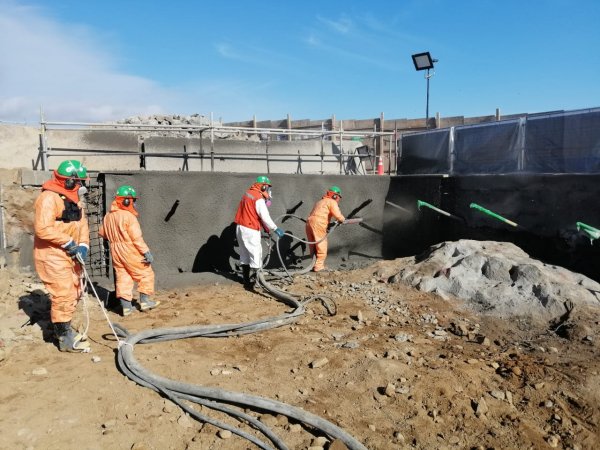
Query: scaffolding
x,y
345,143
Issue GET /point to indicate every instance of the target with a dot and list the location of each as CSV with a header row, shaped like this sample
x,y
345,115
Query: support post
x,y
44,143
212,144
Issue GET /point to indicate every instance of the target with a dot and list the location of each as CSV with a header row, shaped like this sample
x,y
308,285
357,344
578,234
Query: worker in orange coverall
x,y
318,221
61,241
130,254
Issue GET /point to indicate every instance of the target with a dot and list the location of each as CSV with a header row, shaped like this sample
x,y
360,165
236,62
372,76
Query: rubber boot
x,y
146,304
252,278
126,307
246,275
69,340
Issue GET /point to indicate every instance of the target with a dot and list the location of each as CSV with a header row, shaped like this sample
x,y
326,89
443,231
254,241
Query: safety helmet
x,y
263,179
72,168
335,190
126,191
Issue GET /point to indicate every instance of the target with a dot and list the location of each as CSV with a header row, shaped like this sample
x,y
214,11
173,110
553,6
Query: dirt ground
x,y
398,372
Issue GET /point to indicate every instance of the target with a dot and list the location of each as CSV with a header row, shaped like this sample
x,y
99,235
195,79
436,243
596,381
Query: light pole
x,y
424,61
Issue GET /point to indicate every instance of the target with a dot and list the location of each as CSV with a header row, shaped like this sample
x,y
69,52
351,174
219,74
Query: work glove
x,y
70,247
81,251
279,232
148,258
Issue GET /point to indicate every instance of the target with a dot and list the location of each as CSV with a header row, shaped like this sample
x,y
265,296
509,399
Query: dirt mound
x,y
498,278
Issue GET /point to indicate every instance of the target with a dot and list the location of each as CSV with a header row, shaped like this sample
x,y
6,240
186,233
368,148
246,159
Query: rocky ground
x,y
396,367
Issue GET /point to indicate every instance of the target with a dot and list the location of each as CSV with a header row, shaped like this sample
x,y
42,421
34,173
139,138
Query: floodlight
x,y
423,61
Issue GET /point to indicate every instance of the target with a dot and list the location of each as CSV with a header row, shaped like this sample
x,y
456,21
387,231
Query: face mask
x,y
82,191
270,192
268,202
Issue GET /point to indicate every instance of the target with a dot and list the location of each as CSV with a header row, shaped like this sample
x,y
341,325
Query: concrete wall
x,y
546,207
20,148
187,218
300,156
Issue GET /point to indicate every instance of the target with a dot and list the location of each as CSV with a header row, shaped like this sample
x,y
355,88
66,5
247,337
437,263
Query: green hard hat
x,y
336,189
72,168
126,191
263,179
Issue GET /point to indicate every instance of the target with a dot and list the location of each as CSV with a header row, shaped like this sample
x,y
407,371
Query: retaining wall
x,y
187,218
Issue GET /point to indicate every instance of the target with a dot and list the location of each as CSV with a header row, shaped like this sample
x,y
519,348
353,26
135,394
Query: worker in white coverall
x,y
252,214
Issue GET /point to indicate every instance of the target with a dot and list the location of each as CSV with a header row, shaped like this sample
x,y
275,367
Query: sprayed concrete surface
x,y
187,218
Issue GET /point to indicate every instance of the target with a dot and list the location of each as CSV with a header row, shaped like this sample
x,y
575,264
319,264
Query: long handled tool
x,y
493,214
438,210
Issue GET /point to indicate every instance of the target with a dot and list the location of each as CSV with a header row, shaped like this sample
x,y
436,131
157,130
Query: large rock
x,y
498,278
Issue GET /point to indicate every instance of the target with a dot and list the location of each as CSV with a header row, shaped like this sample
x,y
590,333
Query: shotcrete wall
x,y
187,218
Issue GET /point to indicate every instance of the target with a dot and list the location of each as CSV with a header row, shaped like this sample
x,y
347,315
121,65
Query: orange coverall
x,y
58,271
127,247
316,227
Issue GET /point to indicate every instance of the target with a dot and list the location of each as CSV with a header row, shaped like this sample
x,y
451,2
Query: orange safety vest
x,y
246,214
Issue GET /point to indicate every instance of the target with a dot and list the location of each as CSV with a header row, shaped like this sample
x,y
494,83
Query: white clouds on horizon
x,y
66,70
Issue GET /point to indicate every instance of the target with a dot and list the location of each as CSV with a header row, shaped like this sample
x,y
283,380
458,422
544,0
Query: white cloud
x,y
343,25
66,69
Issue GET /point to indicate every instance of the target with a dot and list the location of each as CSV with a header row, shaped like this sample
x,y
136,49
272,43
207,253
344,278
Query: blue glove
x,y
70,247
82,251
148,258
279,232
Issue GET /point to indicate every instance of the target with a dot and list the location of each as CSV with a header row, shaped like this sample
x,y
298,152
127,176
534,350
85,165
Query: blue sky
x,y
106,60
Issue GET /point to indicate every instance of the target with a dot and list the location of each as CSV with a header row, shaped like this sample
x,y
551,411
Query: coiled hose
x,y
307,269
220,399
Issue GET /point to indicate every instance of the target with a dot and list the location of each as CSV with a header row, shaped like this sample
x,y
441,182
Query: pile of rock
x,y
498,278
174,120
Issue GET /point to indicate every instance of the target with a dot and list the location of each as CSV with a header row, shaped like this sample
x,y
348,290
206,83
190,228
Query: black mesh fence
x,y
425,153
488,148
558,142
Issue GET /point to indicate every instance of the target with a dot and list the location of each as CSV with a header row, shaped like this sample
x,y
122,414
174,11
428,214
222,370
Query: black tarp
x,y
563,143
425,153
487,148
552,143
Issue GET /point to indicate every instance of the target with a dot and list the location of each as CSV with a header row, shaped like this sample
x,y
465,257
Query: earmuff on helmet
x,y
334,192
129,194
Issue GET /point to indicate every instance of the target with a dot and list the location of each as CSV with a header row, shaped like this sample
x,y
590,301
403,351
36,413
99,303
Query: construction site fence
x,y
220,148
552,143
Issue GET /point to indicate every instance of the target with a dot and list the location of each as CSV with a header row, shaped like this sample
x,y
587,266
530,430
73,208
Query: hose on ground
x,y
198,394
220,399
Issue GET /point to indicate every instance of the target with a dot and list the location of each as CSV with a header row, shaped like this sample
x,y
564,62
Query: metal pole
x,y
322,146
427,107
341,146
212,144
44,142
267,154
